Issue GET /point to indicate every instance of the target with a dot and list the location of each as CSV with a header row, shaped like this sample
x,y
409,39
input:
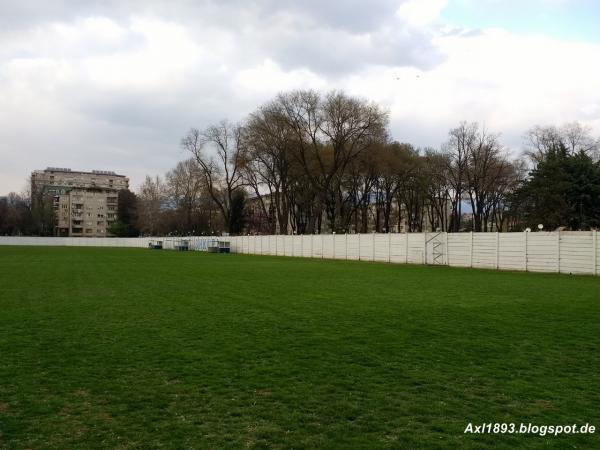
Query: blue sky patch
x,y
574,20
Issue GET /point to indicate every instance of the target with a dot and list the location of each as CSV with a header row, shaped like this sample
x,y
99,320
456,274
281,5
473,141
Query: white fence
x,y
576,252
195,242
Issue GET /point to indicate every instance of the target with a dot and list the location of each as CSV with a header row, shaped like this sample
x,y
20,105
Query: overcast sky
x,y
114,84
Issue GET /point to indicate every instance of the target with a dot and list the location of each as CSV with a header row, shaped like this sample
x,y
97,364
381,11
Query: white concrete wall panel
x,y
571,252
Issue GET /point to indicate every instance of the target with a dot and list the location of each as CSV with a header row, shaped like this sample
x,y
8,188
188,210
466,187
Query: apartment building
x,y
84,203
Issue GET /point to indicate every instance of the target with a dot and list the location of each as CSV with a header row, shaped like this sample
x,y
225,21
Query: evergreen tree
x,y
563,190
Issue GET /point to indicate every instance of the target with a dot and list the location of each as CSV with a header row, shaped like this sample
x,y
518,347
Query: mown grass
x,y
132,348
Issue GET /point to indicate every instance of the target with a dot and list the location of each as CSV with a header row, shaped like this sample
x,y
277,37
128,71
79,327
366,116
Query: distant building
x,y
84,203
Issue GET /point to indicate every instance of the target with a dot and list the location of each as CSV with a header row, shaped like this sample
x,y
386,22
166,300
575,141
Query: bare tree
x,y
16,218
412,190
151,203
331,132
438,189
456,149
392,162
575,137
220,154
578,138
539,140
43,216
185,185
359,184
271,145
485,167
507,182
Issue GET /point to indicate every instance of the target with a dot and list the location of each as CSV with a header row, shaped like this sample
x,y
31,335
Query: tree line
x,y
307,162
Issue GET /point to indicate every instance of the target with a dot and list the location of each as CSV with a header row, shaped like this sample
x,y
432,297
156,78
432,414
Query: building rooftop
x,y
67,170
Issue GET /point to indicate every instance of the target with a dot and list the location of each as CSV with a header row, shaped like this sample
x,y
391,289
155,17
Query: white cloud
x,y
505,81
166,55
421,12
268,77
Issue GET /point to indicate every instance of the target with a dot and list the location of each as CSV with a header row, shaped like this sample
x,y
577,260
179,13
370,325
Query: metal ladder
x,y
437,247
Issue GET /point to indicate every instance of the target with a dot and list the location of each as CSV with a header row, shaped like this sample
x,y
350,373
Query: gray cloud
x,y
338,52
352,15
114,84
65,100
330,37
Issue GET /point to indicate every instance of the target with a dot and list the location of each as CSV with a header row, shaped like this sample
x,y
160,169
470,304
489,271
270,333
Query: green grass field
x,y
132,348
